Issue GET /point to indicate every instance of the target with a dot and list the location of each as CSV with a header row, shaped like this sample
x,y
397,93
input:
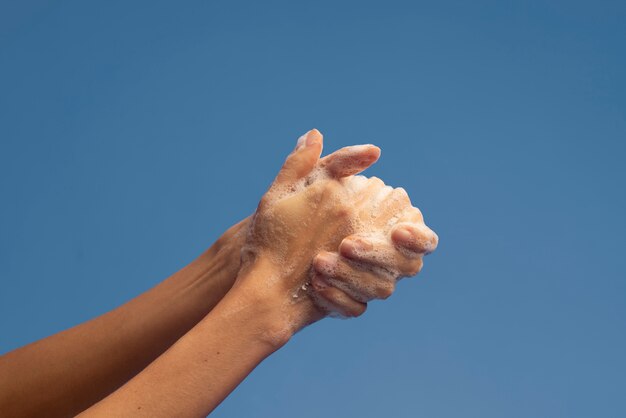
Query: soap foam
x,y
353,189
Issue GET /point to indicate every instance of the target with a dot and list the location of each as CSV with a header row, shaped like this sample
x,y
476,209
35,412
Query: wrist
x,y
271,317
211,275
282,311
223,258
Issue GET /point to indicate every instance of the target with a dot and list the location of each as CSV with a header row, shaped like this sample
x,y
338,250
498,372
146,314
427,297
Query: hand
x,y
308,209
226,251
368,267
345,281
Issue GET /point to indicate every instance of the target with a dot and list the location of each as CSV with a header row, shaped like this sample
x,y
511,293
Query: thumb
x,y
303,158
350,160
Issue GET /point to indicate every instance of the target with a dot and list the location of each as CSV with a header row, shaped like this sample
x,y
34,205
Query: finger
x,y
350,160
360,282
388,205
303,159
364,188
415,237
400,194
382,195
356,184
412,214
332,299
381,253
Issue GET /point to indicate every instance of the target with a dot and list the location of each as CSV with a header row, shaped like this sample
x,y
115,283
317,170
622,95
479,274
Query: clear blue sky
x,y
133,133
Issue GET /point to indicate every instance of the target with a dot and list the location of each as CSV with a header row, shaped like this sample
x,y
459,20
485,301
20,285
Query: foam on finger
x,y
415,237
366,206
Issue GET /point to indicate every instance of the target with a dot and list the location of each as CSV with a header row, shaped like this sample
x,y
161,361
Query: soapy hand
x,y
368,266
311,206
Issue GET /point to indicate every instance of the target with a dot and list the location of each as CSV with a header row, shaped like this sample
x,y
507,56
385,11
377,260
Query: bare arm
x,y
206,364
67,372
273,296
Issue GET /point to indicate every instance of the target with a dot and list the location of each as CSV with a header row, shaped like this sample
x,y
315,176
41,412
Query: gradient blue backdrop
x,y
134,133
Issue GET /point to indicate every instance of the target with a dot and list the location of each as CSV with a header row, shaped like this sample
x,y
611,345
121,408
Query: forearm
x,y
69,371
206,364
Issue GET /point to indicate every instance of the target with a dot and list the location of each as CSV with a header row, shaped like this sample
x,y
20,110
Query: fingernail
x,y
427,238
313,137
404,235
432,242
323,263
361,244
301,141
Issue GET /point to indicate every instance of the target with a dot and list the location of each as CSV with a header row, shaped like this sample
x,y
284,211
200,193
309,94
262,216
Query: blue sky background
x,y
133,133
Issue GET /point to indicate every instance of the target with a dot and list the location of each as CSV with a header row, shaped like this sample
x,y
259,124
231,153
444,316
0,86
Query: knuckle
x,y
401,194
386,290
357,310
377,181
415,266
418,213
